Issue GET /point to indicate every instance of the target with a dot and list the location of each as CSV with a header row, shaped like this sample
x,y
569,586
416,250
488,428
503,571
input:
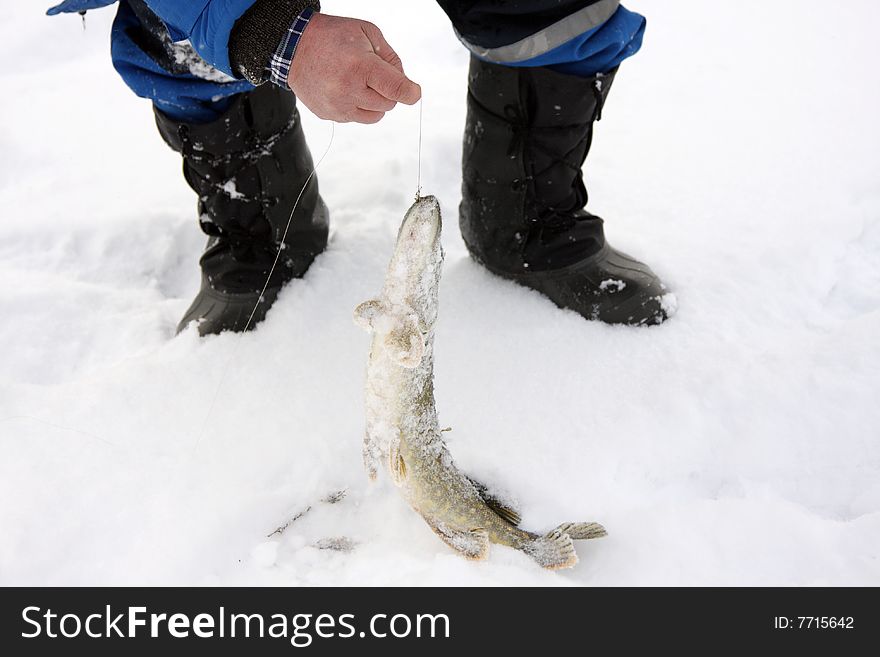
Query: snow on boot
x,y
522,213
248,168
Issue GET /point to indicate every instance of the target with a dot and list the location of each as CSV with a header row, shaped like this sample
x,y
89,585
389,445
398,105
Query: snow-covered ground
x,y
737,444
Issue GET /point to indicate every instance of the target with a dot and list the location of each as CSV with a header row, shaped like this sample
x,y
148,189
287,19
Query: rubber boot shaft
x,y
249,168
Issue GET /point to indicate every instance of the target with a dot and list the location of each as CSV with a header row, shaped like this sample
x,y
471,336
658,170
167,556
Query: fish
x,y
402,430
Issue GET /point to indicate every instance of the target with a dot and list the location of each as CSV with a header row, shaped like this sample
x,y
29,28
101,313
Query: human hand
x,y
343,70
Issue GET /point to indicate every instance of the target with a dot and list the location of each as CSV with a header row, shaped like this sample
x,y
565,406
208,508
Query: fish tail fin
x,y
582,531
555,549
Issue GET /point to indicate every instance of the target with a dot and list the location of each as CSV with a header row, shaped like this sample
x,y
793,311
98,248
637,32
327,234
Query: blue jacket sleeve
x,y
73,6
206,23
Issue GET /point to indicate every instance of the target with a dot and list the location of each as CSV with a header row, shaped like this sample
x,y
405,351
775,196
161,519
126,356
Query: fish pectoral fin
x,y
472,543
503,509
371,456
407,344
396,464
366,313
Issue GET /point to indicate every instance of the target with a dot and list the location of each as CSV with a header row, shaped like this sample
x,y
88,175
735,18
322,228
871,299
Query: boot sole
x,y
649,305
216,311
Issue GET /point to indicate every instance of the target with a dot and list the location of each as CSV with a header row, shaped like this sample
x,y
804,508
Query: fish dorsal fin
x,y
367,312
503,509
472,543
406,342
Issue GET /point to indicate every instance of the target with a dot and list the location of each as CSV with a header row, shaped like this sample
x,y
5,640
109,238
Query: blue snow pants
x,y
577,37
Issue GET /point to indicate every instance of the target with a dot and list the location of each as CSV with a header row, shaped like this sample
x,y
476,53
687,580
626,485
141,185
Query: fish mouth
x,y
423,223
430,200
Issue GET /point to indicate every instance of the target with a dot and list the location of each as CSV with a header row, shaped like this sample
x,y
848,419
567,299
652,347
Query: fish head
x,y
404,316
418,241
413,275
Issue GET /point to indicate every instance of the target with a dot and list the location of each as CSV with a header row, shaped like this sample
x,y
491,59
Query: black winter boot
x,y
522,215
248,168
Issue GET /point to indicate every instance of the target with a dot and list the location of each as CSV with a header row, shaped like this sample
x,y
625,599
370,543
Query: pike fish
x,y
402,431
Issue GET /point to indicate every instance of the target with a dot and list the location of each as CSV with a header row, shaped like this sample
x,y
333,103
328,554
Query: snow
x,y
736,444
231,189
186,55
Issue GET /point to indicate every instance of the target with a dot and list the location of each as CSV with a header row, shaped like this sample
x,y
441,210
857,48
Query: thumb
x,y
386,80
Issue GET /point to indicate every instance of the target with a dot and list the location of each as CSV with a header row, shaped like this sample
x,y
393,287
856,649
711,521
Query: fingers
x,y
381,47
392,83
344,70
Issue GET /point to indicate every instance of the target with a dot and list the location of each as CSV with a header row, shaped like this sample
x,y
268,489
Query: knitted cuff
x,y
258,32
279,65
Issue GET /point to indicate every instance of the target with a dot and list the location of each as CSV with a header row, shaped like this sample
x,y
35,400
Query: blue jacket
x,y
207,24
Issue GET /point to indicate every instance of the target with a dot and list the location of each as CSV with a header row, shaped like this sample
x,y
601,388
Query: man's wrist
x,y
279,65
260,32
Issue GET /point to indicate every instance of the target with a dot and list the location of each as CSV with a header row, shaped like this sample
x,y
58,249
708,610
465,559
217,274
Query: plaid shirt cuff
x,y
279,65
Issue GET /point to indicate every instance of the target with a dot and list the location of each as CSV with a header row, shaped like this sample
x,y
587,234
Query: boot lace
x,y
239,235
527,137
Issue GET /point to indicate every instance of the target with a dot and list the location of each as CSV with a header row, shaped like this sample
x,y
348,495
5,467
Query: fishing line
x,y
419,179
31,418
250,320
241,335
287,227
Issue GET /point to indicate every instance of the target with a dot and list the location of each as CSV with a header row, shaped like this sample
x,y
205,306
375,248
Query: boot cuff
x,y
537,96
259,114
